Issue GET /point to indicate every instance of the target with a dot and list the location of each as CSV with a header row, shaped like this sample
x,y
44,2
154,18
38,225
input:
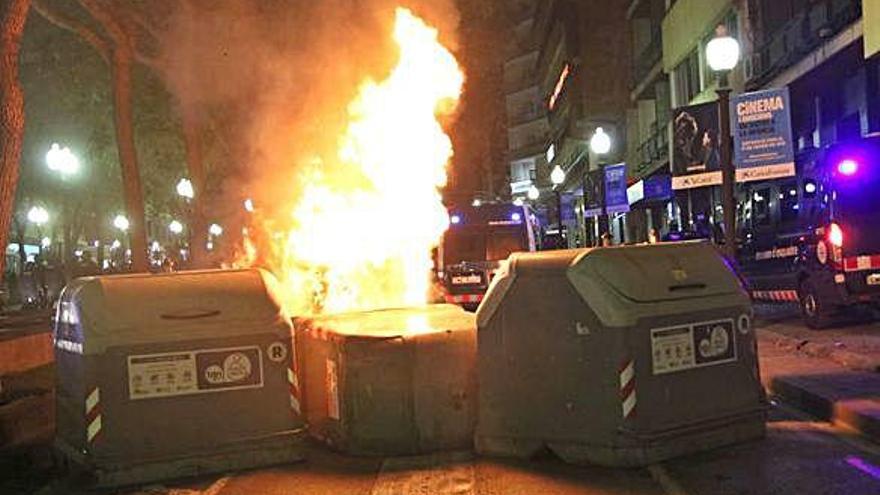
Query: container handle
x,y
190,314
696,286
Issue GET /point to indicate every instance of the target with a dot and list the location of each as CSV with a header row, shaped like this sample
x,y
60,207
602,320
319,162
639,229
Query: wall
x,y
686,24
871,18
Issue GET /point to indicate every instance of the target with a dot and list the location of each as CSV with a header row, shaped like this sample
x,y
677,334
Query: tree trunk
x,y
13,14
131,181
198,229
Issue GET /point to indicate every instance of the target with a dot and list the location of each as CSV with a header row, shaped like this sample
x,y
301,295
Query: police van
x,y
479,240
815,238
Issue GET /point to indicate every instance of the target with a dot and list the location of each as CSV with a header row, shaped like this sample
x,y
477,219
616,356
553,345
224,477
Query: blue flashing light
x,y
516,217
455,219
848,167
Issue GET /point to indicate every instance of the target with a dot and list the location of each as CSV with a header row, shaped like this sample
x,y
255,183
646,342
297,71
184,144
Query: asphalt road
x,y
799,456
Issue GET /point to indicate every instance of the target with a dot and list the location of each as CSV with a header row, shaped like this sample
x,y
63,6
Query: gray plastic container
x,y
617,356
165,376
390,382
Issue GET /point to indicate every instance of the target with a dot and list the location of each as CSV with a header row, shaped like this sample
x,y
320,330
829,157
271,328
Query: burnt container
x,y
390,382
617,356
164,376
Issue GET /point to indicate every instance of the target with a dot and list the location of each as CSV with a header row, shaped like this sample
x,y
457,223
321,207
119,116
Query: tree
x,y
132,34
13,14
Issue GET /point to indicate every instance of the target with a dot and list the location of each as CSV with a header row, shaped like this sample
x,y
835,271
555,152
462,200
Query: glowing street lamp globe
x,y
533,193
45,242
121,223
62,160
215,229
38,215
557,176
600,142
722,53
175,227
185,189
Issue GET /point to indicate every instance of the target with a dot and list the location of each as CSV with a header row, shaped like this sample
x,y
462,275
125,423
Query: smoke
x,y
276,76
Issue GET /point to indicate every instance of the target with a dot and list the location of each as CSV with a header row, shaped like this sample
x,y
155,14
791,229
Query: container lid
x,y
393,323
623,284
657,273
145,308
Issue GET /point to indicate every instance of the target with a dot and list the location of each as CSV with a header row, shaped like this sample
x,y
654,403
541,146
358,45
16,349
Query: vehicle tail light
x,y
835,238
835,235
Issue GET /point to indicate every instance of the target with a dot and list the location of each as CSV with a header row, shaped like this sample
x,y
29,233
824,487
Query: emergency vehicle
x,y
478,241
814,239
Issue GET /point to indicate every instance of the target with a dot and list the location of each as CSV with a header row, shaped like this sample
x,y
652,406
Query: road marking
x,y
667,482
439,474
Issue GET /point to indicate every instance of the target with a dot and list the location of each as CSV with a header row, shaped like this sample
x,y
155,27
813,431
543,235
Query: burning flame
x,y
360,235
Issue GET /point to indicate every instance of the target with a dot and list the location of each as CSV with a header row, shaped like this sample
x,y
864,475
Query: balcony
x,y
653,151
649,58
805,32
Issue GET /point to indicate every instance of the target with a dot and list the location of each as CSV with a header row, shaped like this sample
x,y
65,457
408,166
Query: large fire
x,y
360,235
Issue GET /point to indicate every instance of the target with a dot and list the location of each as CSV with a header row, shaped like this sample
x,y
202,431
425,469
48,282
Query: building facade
x,y
648,118
824,51
527,125
578,84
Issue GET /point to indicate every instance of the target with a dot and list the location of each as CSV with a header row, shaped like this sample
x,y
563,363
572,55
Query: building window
x,y
687,78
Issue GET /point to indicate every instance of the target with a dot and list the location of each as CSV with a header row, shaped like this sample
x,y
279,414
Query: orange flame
x,y
360,235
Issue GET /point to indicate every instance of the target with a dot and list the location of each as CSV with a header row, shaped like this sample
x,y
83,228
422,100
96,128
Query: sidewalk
x,y
820,386
854,344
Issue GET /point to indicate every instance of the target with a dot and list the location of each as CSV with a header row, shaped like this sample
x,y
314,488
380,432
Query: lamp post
x,y
38,216
600,145
557,177
121,223
722,53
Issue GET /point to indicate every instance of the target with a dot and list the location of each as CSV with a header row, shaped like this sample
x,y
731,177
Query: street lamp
x,y
38,215
185,189
62,160
557,177
249,205
533,194
175,227
723,53
600,143
215,230
121,223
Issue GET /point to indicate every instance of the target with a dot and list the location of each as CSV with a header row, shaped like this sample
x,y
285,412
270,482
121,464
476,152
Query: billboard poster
x,y
658,188
761,124
616,200
695,155
593,198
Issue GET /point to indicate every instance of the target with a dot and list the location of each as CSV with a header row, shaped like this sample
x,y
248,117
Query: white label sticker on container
x,y
277,351
692,346
192,372
332,390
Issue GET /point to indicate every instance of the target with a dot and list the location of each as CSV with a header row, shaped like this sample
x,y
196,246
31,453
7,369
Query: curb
x,y
860,415
849,359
